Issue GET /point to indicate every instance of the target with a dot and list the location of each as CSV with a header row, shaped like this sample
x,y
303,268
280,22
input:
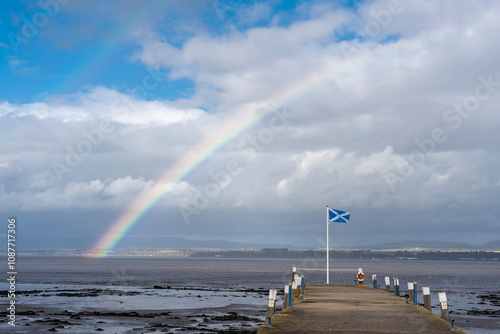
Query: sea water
x,y
215,282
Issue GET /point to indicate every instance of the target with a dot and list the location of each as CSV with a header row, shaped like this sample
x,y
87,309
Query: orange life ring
x,y
360,276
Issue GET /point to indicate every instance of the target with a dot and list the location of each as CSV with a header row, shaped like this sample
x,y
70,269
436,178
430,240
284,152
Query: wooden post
x,y
270,305
415,293
443,302
427,297
289,295
410,291
396,286
285,298
303,286
374,280
294,271
387,284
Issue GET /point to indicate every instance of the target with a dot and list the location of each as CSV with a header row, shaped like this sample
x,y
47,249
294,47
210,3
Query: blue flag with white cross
x,y
337,216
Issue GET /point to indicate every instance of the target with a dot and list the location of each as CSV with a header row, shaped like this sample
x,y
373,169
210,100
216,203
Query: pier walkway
x,y
349,308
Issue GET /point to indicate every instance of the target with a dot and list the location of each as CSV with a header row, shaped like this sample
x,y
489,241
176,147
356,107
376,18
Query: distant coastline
x,y
284,253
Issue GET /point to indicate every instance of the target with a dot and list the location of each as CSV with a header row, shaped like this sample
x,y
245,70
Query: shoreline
x,y
228,319
117,310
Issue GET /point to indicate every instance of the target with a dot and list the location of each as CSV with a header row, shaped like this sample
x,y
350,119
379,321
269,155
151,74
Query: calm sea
x,y
463,281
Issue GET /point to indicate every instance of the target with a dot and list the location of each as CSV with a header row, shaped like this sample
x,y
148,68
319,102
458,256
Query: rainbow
x,y
186,165
197,156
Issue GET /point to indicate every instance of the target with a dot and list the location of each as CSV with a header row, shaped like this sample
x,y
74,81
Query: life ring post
x,y
360,276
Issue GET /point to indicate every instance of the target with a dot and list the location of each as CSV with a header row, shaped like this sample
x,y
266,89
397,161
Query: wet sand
x,y
87,318
230,319
481,315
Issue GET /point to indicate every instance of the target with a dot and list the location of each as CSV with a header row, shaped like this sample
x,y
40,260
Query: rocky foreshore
x,y
38,318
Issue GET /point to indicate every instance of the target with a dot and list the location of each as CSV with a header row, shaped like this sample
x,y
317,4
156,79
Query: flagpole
x,y
327,250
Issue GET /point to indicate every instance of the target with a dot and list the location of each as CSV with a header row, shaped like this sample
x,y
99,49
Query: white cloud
x,y
356,120
237,67
240,51
306,164
380,163
39,194
103,103
125,186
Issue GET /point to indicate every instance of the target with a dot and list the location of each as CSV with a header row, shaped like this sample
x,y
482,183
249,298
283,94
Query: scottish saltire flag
x,y
337,216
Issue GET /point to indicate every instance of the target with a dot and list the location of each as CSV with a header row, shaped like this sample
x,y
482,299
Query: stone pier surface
x,y
349,308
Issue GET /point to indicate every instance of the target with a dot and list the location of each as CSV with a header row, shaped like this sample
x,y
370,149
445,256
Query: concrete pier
x,y
349,308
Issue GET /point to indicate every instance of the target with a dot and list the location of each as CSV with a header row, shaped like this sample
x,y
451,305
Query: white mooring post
x,y
294,289
387,284
297,283
426,291
294,272
270,305
443,303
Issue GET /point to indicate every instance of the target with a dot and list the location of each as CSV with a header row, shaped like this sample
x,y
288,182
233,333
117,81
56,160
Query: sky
x,y
126,123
